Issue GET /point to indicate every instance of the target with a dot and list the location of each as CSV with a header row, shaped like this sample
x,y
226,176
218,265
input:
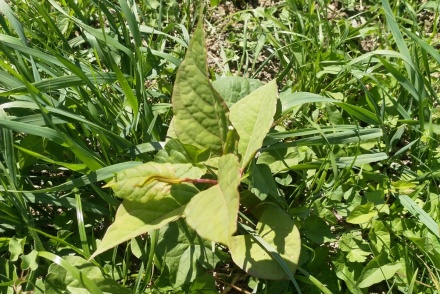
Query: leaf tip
x,y
110,184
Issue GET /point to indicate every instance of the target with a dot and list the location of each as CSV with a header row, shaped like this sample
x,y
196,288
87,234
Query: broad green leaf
x,y
362,214
60,280
357,255
16,246
403,187
252,118
137,247
281,233
316,229
151,181
355,248
379,236
281,159
134,218
213,212
139,183
185,254
74,275
334,115
262,183
176,152
348,272
377,270
204,285
29,261
232,88
200,114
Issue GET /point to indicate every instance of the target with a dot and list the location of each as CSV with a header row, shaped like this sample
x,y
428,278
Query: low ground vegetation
x,y
222,147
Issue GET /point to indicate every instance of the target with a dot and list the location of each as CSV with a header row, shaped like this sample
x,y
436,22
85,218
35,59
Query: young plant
x,y
203,170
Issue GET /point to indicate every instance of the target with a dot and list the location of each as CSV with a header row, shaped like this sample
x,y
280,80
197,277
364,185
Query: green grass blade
x,y
33,130
149,30
18,27
59,240
62,116
314,281
16,44
63,82
361,159
311,131
71,166
7,148
67,202
400,42
94,32
344,137
93,177
359,113
131,20
424,45
400,78
299,98
420,214
127,90
81,226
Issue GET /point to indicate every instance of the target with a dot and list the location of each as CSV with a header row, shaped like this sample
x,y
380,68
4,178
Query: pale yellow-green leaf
x,y
357,255
151,181
278,229
233,88
403,187
135,218
362,214
200,114
213,213
252,117
377,270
